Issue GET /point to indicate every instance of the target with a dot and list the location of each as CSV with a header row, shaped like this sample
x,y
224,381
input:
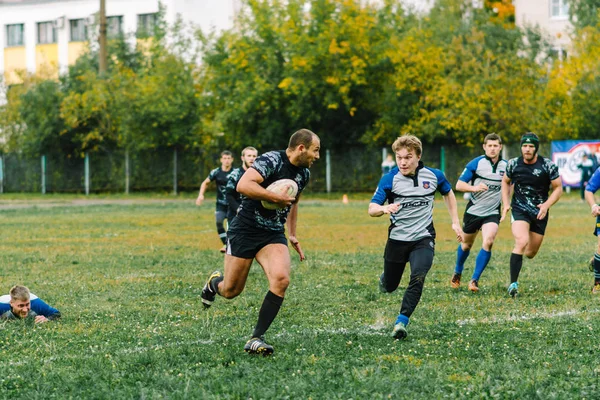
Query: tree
x,y
584,13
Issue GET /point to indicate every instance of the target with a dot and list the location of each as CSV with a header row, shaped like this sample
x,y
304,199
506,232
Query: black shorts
x,y
246,241
473,223
597,228
397,251
222,208
535,225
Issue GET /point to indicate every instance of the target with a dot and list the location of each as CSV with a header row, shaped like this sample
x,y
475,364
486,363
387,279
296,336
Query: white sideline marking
x,y
525,317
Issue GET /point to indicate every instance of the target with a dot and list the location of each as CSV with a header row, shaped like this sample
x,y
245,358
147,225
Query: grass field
x,y
127,277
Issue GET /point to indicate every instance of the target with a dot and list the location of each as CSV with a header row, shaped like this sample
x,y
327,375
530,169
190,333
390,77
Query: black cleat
x,y
257,345
208,295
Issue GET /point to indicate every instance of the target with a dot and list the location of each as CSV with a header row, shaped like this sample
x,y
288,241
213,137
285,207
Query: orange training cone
x,y
345,199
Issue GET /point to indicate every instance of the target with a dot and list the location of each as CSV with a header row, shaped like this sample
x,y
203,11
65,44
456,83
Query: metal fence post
x,y
43,161
126,171
87,173
1,174
328,170
175,171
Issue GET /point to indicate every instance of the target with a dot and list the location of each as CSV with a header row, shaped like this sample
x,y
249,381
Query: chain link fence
x,y
355,169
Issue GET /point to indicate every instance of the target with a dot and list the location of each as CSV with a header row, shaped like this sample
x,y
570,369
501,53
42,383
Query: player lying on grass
x,y
21,304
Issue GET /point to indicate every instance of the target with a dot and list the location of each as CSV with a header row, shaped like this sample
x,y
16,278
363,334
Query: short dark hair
x,y
303,136
226,153
492,136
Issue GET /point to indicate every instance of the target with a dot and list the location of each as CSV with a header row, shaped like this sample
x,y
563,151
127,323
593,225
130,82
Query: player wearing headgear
x,y
234,198
531,175
591,188
483,178
259,233
409,190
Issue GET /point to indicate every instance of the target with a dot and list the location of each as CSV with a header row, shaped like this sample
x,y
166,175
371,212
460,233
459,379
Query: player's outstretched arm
x,y
506,185
466,188
377,210
200,198
591,200
557,191
450,200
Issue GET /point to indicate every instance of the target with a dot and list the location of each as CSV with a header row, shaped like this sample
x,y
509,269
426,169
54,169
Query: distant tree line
x,y
357,74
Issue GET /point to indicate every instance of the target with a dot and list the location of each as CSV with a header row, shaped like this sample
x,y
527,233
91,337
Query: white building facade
x,y
550,15
46,36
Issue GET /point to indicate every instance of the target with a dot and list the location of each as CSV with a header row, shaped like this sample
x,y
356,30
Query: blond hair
x,y
409,142
250,148
19,293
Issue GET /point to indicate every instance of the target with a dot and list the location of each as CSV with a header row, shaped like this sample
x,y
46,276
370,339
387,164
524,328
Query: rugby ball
x,y
281,186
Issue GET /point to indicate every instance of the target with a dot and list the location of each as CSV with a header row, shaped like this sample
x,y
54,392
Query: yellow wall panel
x,y
14,61
75,50
46,60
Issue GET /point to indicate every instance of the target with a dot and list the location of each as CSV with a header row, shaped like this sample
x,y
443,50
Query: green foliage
x,y
584,13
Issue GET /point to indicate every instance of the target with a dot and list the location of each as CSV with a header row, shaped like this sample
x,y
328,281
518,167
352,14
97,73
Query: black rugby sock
x,y
516,262
268,311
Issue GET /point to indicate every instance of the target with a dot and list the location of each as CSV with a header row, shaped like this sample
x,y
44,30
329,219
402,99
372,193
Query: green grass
x,y
127,278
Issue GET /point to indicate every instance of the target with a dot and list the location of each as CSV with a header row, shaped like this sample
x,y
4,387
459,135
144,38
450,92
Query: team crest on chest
x,y
501,173
426,184
537,172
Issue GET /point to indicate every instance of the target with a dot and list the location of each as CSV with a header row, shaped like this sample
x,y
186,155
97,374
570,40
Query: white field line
x,y
525,317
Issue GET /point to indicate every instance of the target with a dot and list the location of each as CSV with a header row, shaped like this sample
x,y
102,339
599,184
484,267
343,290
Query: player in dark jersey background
x,y
483,178
259,233
591,188
409,190
234,198
531,175
219,176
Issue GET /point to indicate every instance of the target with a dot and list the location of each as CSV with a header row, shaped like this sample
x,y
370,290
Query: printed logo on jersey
x,y
537,172
501,173
426,184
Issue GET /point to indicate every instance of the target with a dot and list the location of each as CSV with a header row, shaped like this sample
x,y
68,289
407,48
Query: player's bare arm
x,y
291,225
377,210
557,191
203,186
462,186
450,200
249,185
506,186
591,200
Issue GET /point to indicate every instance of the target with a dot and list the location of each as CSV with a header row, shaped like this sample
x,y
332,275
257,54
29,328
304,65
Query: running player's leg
x,y
275,260
220,217
420,259
596,287
488,232
537,229
235,274
462,253
520,231
471,227
395,257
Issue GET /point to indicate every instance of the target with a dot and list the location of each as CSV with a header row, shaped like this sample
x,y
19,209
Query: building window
x,y
114,26
15,35
559,8
78,30
46,33
145,25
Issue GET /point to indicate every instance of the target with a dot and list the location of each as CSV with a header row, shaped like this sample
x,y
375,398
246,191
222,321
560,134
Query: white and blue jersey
x,y
482,170
415,194
594,182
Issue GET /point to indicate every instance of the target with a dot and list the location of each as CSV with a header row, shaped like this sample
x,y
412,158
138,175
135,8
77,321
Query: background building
x,y
46,36
550,15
